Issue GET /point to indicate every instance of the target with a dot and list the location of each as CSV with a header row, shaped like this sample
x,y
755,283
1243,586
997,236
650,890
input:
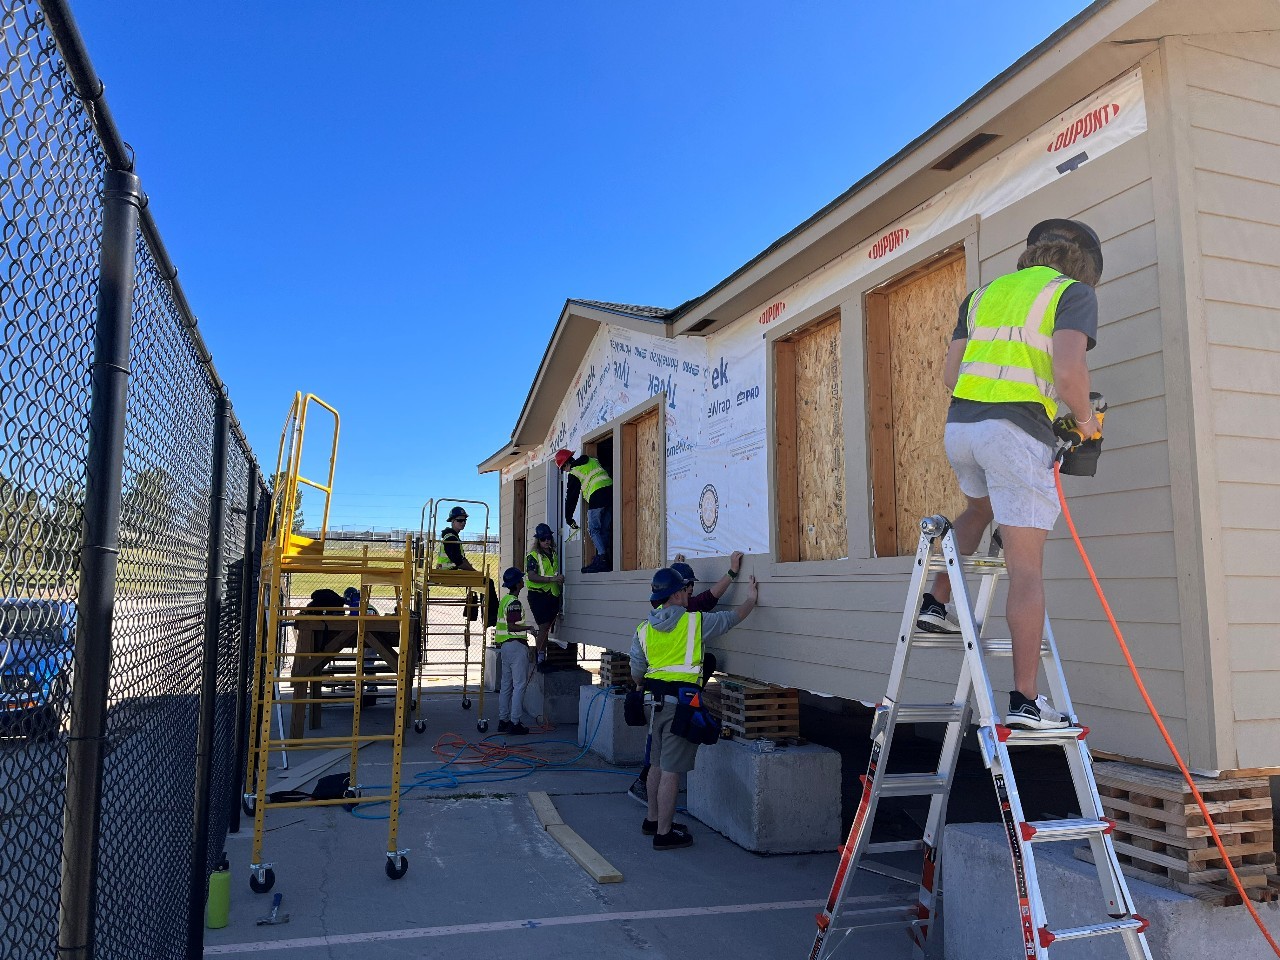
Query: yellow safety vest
x,y
501,634
548,566
593,477
442,559
1009,356
674,654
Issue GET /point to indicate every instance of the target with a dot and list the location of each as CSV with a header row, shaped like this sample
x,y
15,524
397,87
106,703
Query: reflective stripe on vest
x,y
547,567
501,634
674,654
1009,356
593,477
442,559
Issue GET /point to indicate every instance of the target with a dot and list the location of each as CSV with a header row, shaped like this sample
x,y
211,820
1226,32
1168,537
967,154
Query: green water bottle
x,y
217,909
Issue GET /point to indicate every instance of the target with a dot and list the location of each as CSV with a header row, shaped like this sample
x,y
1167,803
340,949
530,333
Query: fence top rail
x,y
91,91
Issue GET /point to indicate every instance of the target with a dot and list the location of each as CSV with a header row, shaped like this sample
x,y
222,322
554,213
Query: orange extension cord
x,y
1155,715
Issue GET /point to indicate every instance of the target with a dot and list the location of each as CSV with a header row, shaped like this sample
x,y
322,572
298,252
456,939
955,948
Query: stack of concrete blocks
x,y
768,797
600,724
980,914
553,696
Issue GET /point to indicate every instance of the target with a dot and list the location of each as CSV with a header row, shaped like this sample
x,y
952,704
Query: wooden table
x,y
332,635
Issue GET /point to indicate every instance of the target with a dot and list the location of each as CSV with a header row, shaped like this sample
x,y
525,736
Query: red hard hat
x,y
563,457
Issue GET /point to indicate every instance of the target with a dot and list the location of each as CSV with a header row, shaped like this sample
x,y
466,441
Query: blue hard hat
x,y
512,578
665,582
352,596
543,532
685,571
457,513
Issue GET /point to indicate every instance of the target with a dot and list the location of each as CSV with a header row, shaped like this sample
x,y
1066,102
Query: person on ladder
x,y
667,661
512,640
1017,356
545,581
589,478
449,555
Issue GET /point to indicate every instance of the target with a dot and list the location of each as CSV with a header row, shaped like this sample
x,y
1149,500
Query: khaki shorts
x,y
668,752
993,458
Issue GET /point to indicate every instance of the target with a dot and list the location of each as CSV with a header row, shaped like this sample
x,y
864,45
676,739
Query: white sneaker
x,y
1037,714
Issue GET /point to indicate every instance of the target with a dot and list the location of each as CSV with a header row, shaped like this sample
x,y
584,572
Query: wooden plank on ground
x,y
599,868
298,776
547,813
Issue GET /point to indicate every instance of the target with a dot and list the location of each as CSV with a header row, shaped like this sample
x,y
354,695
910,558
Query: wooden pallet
x,y
615,669
752,710
1161,832
1261,888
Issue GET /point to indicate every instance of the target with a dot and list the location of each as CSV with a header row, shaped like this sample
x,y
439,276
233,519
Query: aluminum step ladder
x,y
842,917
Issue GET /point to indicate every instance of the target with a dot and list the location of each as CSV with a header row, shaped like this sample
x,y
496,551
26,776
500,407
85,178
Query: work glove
x,y
572,523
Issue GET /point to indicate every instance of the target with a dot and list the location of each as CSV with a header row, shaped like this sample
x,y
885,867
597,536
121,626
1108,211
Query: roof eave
x,y
888,185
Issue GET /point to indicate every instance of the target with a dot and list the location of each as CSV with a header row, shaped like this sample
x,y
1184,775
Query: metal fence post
x,y
248,644
122,199
214,583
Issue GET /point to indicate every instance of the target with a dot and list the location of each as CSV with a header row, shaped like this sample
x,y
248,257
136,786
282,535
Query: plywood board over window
x,y
809,438
909,325
642,513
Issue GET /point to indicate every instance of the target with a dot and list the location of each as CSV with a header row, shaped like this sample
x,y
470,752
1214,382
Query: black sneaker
x,y
518,730
1037,714
933,617
639,791
650,827
672,840
504,726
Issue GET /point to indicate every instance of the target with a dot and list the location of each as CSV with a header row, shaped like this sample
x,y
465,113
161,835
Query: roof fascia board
x,y
1088,29
501,458
655,328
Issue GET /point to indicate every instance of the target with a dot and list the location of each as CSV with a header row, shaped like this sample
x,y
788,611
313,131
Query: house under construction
x,y
795,409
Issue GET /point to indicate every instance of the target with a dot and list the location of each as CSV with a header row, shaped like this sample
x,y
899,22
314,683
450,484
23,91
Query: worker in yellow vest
x,y
666,659
511,638
590,479
545,582
1017,363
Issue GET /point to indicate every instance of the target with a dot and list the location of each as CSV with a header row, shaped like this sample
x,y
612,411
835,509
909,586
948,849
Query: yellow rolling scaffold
x,y
383,646
455,607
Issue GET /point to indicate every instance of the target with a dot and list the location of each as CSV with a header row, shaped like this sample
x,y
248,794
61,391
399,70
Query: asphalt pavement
x,y
486,881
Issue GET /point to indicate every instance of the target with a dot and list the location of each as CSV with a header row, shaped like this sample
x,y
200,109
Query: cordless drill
x,y
1078,453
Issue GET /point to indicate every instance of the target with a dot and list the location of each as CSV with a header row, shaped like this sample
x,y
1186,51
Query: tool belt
x,y
692,720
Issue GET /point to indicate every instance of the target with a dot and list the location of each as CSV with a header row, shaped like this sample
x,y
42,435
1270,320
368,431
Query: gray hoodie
x,y
714,625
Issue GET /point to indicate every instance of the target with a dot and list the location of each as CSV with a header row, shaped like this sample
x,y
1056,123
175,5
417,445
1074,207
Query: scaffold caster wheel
x,y
466,703
482,726
263,885
419,726
350,792
397,866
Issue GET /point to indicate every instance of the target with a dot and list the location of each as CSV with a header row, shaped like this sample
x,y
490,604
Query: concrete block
x,y
601,713
980,916
490,668
554,696
767,798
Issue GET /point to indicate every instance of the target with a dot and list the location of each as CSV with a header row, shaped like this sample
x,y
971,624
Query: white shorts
x,y
993,458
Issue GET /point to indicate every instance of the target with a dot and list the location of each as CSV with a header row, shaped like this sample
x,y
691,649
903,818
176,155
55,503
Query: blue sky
x,y
387,203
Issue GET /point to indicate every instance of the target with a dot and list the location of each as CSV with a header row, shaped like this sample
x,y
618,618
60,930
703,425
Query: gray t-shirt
x,y
1077,310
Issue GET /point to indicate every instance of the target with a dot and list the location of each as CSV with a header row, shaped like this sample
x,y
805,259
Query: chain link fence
x,y
116,510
